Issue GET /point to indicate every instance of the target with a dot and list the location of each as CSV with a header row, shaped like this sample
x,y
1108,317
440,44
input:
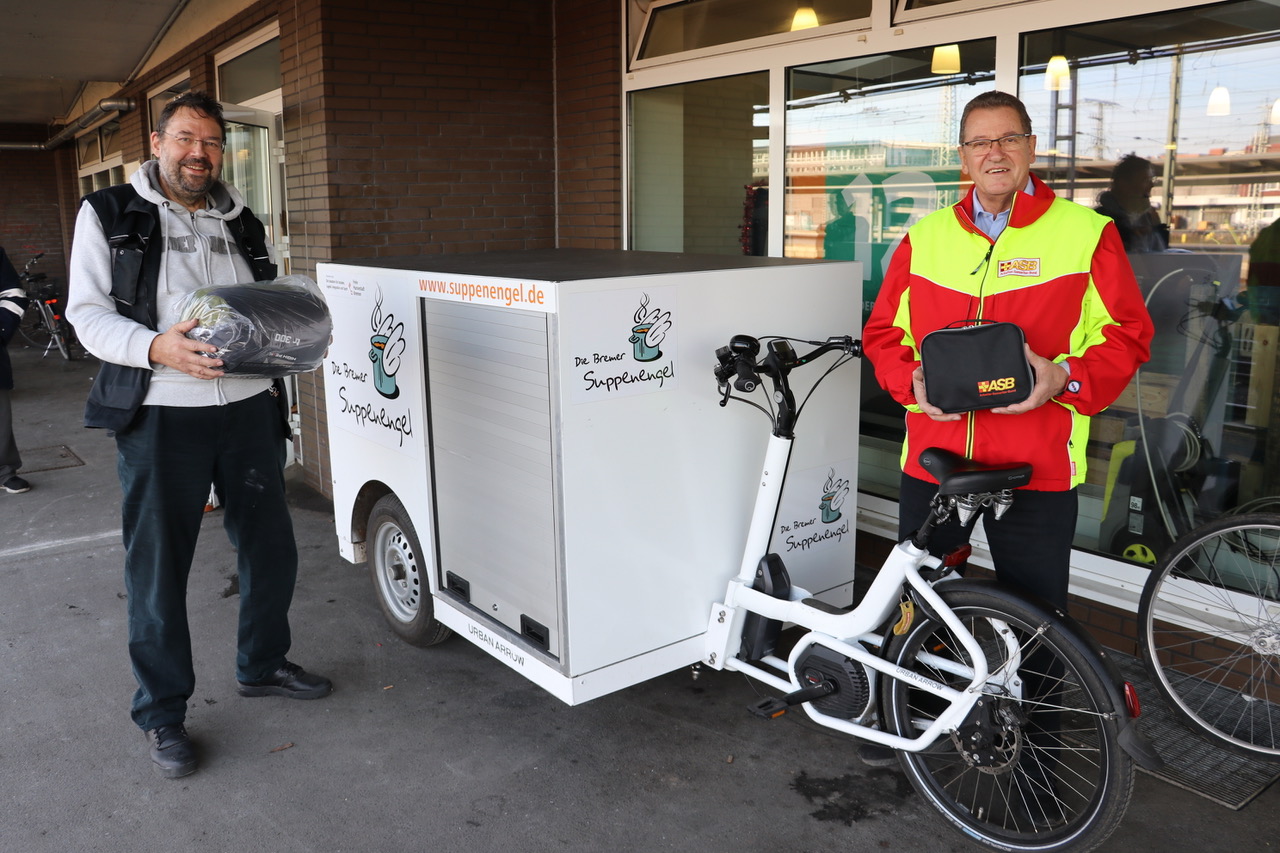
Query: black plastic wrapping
x,y
265,328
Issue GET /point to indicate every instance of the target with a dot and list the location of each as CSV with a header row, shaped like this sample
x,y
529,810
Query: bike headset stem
x,y
777,365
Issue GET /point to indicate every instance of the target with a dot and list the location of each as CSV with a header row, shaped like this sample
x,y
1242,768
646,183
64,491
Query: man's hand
x,y
174,349
917,387
1050,380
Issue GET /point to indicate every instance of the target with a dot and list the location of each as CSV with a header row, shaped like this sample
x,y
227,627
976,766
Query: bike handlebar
x,y
738,368
739,358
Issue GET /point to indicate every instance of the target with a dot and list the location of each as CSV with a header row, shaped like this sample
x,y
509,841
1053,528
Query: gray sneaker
x,y
15,485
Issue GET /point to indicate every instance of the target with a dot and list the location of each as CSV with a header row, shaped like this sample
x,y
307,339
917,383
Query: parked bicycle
x,y
1209,622
1007,716
43,325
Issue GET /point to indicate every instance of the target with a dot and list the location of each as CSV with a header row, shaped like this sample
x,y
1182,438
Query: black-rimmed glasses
x,y
1006,143
190,141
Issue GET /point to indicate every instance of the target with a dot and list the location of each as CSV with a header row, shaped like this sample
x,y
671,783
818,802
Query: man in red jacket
x,y
1011,251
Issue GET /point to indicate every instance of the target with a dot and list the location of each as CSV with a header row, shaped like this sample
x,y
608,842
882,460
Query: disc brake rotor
x,y
990,739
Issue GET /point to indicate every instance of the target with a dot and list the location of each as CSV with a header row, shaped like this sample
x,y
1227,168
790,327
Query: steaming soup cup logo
x,y
834,491
386,348
383,382
649,329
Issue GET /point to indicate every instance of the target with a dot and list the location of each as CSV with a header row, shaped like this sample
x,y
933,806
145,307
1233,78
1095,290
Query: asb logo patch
x,y
986,387
1019,266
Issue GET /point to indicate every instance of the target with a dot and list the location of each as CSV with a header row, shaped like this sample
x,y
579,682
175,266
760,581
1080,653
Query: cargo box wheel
x,y
398,567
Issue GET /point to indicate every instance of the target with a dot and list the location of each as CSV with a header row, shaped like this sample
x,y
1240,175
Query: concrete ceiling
x,y
50,48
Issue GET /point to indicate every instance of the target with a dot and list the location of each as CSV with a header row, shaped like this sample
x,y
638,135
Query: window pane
x,y
157,102
705,23
87,149
109,133
695,160
247,166
871,149
250,74
1139,134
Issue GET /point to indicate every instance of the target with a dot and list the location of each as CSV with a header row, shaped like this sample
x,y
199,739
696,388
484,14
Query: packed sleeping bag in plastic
x,y
265,328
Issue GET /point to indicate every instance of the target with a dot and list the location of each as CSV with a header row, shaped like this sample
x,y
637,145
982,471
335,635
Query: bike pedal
x,y
769,708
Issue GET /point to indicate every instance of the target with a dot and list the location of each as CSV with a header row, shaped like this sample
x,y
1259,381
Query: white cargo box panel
x,y
551,423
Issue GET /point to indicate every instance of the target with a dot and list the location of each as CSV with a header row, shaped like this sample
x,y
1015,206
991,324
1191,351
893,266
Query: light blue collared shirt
x,y
992,224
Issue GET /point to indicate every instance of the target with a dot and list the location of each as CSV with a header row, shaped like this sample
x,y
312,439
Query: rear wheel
x,y
1210,624
1036,765
33,330
398,567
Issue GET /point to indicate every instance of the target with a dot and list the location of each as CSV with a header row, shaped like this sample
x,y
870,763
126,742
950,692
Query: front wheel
x,y
58,331
398,569
1210,627
1036,765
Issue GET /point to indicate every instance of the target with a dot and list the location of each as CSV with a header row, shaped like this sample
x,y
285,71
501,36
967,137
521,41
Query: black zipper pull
x,y
984,260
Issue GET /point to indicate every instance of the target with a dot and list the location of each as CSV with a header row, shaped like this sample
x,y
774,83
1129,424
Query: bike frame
x,y
843,632
34,284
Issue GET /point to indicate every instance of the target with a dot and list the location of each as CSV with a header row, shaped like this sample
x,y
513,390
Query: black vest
x,y
132,228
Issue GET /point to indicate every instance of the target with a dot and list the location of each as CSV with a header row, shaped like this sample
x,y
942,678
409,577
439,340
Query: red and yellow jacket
x,y
1060,272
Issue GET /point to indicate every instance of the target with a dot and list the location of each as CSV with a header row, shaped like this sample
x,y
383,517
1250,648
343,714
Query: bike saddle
x,y
960,475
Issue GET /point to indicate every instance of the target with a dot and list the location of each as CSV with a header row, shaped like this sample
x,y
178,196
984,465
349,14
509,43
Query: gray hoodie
x,y
199,252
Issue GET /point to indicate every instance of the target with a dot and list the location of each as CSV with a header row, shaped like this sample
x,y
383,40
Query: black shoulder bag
x,y
976,364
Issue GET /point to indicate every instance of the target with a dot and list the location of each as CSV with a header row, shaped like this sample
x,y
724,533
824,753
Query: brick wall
x,y
31,205
416,128
588,83
413,129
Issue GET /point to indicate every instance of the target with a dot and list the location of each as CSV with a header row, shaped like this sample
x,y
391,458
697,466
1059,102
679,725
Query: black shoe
x,y
291,681
877,755
15,485
172,751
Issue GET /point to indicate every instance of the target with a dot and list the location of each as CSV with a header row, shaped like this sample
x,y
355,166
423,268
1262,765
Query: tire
x,y
59,332
1040,775
398,570
33,330
1209,623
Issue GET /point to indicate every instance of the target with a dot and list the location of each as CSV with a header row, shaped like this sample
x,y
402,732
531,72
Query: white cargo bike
x,y
529,450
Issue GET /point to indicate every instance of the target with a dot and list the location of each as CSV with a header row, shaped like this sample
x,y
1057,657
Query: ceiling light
x,y
946,59
805,18
1275,112
1219,102
1057,74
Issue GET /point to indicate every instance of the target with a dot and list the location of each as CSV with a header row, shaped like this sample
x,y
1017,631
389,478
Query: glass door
x,y
253,165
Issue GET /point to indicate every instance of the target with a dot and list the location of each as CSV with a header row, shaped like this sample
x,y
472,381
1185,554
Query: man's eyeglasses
x,y
1006,143
191,141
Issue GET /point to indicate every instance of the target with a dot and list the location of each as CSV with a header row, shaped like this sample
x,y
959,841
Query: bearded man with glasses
x,y
181,423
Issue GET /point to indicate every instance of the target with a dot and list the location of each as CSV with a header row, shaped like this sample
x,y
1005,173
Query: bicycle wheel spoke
x,y
1211,627
1034,766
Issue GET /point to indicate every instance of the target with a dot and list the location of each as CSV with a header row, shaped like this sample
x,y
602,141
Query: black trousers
x,y
167,462
1030,546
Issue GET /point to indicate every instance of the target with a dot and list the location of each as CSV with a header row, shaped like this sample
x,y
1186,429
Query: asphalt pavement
x,y
439,749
